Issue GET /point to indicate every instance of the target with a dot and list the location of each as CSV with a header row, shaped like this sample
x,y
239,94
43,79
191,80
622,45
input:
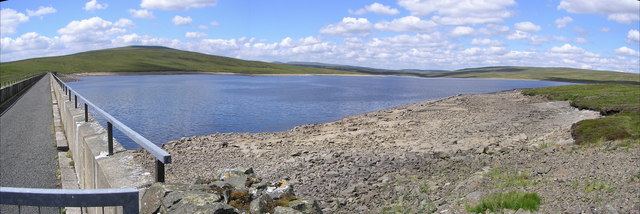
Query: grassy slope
x,y
550,74
148,59
508,72
620,102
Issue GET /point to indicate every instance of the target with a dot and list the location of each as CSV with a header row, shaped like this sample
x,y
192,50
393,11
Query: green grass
x,y
505,178
513,200
154,58
539,73
140,59
620,102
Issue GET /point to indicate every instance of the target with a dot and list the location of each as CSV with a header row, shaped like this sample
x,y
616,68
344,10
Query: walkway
x,y
27,147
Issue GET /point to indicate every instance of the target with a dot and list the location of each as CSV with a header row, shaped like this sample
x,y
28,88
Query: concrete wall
x,y
88,145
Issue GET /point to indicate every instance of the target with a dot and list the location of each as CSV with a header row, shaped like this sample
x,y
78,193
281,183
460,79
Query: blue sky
x,y
396,34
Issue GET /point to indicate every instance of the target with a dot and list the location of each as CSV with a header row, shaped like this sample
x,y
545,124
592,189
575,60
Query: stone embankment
x,y
433,156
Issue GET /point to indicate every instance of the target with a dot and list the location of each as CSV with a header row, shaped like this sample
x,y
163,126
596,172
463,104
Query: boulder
x,y
285,210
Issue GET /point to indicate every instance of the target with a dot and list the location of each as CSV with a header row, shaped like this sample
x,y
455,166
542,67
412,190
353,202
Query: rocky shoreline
x,y
433,156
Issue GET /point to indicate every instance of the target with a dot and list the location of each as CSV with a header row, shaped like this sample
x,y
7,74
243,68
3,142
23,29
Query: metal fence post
x,y
110,137
76,99
86,113
159,171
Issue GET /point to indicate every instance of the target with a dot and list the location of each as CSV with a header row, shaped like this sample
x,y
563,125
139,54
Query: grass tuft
x,y
513,200
619,102
506,178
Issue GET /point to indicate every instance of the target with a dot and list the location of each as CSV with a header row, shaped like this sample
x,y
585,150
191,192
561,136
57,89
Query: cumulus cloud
x,y
527,27
407,24
624,50
142,13
621,11
460,12
462,31
179,20
633,36
376,8
562,22
349,26
195,35
567,48
10,19
90,30
123,23
518,34
486,42
176,5
94,5
41,11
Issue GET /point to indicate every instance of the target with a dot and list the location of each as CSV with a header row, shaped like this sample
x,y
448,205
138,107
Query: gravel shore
x,y
433,156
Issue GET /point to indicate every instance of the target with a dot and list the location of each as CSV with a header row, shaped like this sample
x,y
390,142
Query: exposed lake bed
x,y
431,156
439,155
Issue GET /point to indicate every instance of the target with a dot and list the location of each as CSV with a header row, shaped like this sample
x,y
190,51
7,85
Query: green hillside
x,y
148,58
550,74
501,72
156,58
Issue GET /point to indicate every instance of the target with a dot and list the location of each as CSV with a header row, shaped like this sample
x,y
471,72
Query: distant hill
x,y
539,73
498,72
158,58
365,70
148,58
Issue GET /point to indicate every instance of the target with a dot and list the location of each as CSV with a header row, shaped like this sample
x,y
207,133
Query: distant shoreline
x,y
126,73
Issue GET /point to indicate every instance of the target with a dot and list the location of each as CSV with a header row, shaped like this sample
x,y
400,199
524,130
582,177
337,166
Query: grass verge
x,y
513,200
620,103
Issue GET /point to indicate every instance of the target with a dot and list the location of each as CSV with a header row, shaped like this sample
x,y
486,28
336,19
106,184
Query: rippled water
x,y
168,107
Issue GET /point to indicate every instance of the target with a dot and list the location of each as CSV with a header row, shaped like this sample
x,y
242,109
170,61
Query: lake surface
x,y
168,107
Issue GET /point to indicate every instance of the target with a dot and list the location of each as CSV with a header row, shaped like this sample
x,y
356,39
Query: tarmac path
x,y
27,146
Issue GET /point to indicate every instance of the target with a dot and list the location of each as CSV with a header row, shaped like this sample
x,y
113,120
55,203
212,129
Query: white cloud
x,y
195,35
124,23
142,13
203,27
581,40
562,22
41,11
91,30
460,12
462,31
633,36
527,27
179,20
376,8
624,50
518,34
94,5
567,48
604,29
349,26
215,23
621,11
486,42
407,24
176,5
10,19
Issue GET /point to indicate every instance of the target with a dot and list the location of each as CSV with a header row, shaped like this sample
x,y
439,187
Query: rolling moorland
x,y
155,58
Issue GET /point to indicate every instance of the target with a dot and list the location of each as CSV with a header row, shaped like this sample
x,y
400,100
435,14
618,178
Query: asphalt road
x,y
27,146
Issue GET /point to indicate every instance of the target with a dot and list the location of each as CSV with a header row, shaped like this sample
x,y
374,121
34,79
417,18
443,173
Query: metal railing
x,y
13,90
125,197
162,157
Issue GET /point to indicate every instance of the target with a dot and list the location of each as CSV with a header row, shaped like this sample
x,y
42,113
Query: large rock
x,y
306,206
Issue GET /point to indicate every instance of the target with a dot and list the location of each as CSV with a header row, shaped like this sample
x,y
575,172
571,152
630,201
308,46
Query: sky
x,y
391,34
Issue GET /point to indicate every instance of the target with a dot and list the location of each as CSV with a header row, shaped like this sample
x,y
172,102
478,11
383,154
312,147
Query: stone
x,y
543,170
262,204
214,208
277,192
285,210
306,206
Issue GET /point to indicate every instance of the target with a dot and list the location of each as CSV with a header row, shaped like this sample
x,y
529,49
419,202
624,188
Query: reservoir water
x,y
168,107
